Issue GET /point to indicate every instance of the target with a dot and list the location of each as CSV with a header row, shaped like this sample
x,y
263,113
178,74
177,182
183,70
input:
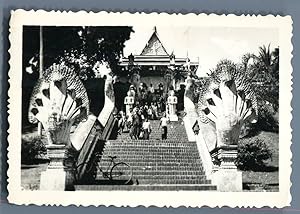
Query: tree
x,y
77,46
265,73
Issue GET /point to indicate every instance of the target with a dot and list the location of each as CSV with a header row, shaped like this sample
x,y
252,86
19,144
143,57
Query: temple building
x,y
157,66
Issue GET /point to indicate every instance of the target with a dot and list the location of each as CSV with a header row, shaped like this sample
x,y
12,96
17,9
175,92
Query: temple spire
x,y
154,46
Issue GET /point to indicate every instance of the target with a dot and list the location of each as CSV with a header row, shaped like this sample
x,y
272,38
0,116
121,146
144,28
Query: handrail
x,y
86,152
109,125
189,120
90,144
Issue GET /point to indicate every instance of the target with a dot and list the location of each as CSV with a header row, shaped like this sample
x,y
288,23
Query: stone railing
x,y
189,120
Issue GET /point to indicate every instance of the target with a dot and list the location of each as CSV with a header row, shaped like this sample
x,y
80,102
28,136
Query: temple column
x,y
171,107
40,129
129,102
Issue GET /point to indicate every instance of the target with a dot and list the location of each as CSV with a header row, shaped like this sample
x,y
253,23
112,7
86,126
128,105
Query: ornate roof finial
x,y
154,29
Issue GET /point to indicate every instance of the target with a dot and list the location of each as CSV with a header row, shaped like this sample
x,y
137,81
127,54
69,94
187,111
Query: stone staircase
x,y
172,164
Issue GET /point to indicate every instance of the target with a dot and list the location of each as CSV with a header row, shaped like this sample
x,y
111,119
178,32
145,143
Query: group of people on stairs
x,y
139,126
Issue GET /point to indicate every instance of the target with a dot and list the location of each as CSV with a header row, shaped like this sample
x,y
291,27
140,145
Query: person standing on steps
x,y
121,122
147,129
134,131
164,127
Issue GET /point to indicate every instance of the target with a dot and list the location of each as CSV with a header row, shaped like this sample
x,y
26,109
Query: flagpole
x,y
40,72
41,53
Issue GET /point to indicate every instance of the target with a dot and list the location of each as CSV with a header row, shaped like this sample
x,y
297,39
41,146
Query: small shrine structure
x,y
158,67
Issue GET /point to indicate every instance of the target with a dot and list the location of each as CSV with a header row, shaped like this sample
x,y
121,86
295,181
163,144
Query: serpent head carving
x,y
225,99
58,99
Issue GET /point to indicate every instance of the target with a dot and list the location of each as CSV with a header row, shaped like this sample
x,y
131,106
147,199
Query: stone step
x,y
153,159
153,163
140,170
150,154
199,187
166,181
152,146
145,181
157,169
163,182
157,163
147,173
152,149
152,141
173,153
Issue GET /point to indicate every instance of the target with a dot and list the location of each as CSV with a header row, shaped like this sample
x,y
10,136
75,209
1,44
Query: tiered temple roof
x,y
155,54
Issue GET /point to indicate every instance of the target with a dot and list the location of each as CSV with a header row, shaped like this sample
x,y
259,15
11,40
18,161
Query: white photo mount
x,y
193,198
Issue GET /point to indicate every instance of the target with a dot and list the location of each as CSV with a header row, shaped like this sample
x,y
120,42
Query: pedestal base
x,y
58,175
228,180
227,177
173,117
53,179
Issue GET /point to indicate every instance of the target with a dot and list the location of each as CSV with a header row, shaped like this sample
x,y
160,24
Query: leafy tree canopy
x,y
78,46
264,72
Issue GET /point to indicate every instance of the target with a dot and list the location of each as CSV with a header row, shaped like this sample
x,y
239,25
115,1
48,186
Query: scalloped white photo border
x,y
280,199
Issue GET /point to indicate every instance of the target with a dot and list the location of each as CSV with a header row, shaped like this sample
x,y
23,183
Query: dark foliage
x,y
95,91
32,150
120,90
77,46
252,155
266,122
265,74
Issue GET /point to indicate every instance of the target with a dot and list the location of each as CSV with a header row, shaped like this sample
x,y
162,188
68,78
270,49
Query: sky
x,y
208,44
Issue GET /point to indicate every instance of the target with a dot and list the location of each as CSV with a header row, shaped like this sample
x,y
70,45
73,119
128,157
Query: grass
x,y
267,180
31,171
31,174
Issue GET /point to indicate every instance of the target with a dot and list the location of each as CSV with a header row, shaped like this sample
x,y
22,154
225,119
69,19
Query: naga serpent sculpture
x,y
58,99
224,100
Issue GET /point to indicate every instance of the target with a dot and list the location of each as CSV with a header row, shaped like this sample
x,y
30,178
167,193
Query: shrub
x,y
32,150
252,155
266,122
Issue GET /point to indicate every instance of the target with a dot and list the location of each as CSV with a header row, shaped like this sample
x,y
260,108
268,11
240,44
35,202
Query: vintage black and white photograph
x,y
148,106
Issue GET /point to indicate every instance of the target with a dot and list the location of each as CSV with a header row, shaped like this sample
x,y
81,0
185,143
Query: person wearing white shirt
x,y
164,125
147,129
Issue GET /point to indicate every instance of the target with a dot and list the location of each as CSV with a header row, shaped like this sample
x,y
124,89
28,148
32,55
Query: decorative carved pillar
x,y
136,81
226,175
129,102
171,103
59,174
40,129
168,81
